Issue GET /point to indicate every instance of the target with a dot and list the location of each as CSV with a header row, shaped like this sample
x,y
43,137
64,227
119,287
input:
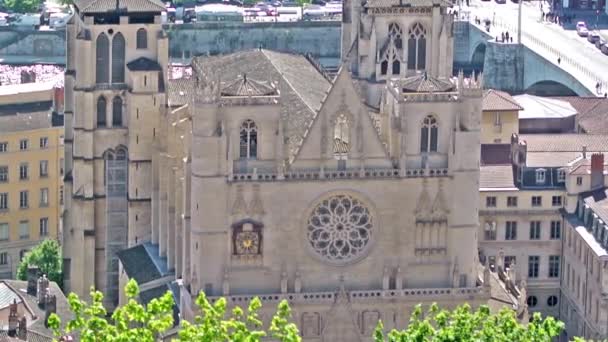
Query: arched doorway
x,y
478,58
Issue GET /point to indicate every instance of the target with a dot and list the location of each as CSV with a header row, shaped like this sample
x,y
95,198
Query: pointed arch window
x,y
117,112
428,134
395,33
142,39
248,140
101,111
391,51
341,136
118,59
102,59
416,47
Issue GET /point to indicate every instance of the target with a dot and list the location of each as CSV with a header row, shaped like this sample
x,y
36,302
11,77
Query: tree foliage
x,y
136,322
47,257
23,6
463,324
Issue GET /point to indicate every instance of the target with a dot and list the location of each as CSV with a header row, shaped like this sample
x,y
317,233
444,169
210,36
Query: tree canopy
x,y
47,257
23,6
463,324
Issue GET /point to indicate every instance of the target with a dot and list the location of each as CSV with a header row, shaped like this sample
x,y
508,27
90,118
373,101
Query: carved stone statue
x,y
486,275
225,284
360,135
398,279
385,279
297,284
283,282
512,273
455,274
500,260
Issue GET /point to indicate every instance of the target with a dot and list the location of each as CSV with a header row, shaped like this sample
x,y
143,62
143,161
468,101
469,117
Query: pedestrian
x,y
543,16
507,36
503,37
597,87
559,60
511,39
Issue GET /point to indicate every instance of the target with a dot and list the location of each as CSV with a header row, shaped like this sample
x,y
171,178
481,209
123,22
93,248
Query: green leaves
x,y
23,6
47,257
463,324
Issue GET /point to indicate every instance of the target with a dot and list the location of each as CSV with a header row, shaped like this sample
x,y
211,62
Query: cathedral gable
x,y
343,128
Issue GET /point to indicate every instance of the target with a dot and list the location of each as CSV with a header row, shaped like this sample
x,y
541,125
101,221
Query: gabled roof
x,y
301,85
495,100
143,64
592,111
130,6
244,86
496,176
565,142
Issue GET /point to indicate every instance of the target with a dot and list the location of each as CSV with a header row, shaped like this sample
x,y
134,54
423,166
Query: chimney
x,y
32,278
22,334
597,171
50,308
43,289
13,319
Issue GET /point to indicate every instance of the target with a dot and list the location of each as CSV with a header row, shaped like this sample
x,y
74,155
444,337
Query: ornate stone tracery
x,y
340,228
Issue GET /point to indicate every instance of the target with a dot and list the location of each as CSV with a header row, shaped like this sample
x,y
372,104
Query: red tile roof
x,y
495,100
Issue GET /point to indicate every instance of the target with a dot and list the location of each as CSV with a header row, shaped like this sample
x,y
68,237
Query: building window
x,y
490,231
44,168
4,258
61,140
61,194
24,230
512,201
561,175
23,143
4,232
579,180
61,162
44,197
533,261
428,134
552,301
511,230
101,111
497,121
117,112
540,175
509,260
23,199
556,230
249,140
537,201
3,174
3,146
44,143
4,201
118,58
22,254
556,201
416,47
44,226
553,266
532,301
142,39
534,230
102,52
491,202
23,171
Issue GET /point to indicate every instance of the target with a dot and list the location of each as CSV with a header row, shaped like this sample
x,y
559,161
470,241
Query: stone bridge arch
x,y
538,71
478,56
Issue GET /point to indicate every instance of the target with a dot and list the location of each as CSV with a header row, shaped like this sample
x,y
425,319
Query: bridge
x,y
531,67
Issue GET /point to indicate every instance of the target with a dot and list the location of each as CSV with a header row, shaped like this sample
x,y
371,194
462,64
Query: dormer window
x,y
540,175
561,175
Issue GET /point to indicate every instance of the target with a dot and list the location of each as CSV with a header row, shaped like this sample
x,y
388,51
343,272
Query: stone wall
x,y
14,42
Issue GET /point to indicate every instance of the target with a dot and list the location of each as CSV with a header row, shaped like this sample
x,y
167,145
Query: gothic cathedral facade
x,y
354,196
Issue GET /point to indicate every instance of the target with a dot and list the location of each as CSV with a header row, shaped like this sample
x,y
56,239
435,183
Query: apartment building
x,y
500,117
31,168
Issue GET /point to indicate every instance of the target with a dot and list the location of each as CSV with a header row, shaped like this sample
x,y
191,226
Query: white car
x,y
581,29
314,11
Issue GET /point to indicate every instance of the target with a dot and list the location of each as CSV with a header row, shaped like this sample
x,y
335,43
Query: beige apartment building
x,y
500,117
261,175
31,170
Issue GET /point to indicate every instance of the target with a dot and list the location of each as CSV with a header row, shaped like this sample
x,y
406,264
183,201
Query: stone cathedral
x,y
354,196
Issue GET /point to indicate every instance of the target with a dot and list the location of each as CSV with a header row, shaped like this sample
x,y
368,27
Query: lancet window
x,y
428,134
416,47
248,140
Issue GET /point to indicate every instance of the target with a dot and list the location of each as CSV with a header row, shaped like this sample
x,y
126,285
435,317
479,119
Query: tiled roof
x,y
495,100
142,263
143,64
102,6
179,90
592,112
7,296
301,85
495,154
565,142
32,336
423,84
550,159
496,176
244,86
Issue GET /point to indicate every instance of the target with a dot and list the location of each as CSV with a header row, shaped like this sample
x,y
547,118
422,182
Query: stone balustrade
x,y
331,174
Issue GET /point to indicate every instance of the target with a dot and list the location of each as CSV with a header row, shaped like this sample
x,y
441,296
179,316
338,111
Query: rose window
x,y
340,228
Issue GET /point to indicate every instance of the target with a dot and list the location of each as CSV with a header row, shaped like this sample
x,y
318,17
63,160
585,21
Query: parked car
x,y
581,29
592,37
600,42
313,11
501,1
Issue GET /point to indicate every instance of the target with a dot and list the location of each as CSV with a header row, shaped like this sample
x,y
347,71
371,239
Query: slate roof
x,y
244,86
495,100
179,90
597,200
592,112
496,176
423,84
36,329
142,263
565,142
102,6
495,154
550,159
301,85
143,64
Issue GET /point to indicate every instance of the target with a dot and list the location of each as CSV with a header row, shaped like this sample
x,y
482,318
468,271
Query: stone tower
x,y
115,80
